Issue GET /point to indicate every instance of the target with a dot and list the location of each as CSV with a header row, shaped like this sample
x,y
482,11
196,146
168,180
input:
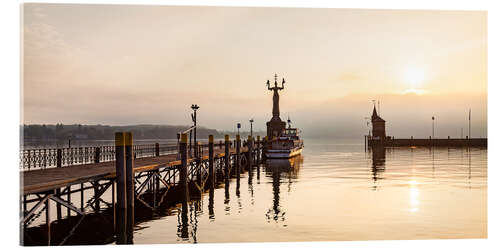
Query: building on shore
x,y
379,138
378,126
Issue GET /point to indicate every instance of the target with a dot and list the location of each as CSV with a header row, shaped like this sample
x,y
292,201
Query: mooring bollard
x,y
211,176
121,188
238,149
226,156
129,168
183,170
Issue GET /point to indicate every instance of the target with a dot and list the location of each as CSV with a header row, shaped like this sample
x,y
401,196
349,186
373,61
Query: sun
x,y
414,77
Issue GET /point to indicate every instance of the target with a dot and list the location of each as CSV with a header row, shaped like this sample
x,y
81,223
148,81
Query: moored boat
x,y
287,145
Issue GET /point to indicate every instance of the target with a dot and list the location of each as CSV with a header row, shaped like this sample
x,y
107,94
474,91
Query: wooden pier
x,y
129,177
429,142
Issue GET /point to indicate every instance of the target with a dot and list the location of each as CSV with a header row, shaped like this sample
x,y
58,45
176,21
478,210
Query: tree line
x,y
59,131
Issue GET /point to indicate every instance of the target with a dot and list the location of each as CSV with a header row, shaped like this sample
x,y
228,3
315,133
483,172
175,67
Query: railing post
x,y
121,188
129,168
227,156
238,149
211,160
157,149
97,156
183,170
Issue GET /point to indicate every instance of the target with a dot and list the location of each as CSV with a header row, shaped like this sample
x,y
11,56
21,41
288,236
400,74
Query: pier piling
x,y
211,160
121,188
238,149
183,170
97,156
226,156
129,168
250,152
58,191
258,149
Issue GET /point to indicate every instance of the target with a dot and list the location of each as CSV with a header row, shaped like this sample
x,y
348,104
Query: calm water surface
x,y
337,191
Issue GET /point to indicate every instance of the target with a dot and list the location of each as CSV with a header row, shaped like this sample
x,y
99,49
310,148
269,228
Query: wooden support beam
x,y
47,220
69,200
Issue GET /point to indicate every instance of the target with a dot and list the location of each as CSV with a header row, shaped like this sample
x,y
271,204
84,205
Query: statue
x,y
275,127
276,97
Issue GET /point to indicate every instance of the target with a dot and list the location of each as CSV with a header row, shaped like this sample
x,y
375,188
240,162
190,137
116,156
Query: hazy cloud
x,y
118,64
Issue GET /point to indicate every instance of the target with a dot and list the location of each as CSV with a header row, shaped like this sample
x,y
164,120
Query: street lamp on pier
x,y
194,107
251,127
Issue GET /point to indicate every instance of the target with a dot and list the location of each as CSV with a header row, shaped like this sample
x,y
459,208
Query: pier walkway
x,y
42,180
140,173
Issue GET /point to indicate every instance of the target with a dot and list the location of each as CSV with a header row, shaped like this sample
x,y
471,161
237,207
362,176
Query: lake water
x,y
337,191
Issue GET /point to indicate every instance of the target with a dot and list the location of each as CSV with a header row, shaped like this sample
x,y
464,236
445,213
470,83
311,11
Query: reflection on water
x,y
278,168
338,192
378,163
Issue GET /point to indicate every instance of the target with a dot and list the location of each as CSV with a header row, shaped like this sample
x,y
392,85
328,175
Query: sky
x,y
130,64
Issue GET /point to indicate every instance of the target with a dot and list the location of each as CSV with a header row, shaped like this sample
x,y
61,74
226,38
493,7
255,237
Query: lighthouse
x,y
378,126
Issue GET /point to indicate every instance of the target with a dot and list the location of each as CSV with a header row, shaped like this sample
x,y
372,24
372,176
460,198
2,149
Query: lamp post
x,y
251,127
238,126
194,107
469,123
433,127
368,124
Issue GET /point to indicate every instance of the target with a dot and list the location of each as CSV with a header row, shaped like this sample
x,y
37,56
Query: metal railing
x,y
32,159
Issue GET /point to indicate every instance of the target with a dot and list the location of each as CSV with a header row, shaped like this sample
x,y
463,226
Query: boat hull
x,y
283,154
